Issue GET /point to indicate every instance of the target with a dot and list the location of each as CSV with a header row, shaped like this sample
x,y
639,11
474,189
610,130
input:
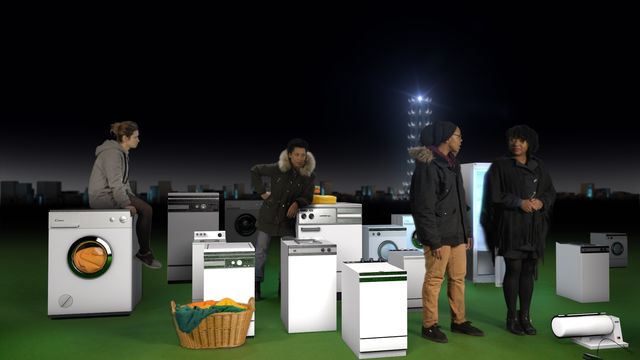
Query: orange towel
x,y
90,260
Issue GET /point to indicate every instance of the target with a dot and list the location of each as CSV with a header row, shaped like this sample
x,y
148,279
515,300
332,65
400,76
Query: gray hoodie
x,y
109,181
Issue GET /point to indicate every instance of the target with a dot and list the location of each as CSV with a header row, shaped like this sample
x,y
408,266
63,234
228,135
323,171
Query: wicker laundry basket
x,y
219,330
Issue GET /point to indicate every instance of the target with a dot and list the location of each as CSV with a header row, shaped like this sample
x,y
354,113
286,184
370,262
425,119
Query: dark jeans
x,y
143,226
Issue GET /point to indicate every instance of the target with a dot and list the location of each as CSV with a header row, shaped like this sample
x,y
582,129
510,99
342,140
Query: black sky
x,y
213,99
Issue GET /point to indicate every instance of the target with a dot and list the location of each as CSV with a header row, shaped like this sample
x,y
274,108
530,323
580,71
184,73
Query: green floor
x,y
27,333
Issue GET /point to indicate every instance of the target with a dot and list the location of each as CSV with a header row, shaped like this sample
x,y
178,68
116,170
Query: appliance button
x,y
304,216
123,219
112,219
311,216
239,262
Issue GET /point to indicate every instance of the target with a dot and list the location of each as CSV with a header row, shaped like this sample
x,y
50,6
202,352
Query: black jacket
x,y
507,227
287,186
438,201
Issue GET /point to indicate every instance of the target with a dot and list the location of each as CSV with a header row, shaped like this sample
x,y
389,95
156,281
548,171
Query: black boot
x,y
513,324
525,322
257,291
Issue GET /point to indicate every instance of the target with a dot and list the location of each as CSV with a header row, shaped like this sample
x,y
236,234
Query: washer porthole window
x,y
245,224
90,257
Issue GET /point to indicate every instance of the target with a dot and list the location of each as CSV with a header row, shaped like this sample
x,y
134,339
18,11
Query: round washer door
x,y
617,248
89,257
384,248
245,224
414,240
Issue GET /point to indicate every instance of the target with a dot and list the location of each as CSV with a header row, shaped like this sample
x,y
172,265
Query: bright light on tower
x,y
419,114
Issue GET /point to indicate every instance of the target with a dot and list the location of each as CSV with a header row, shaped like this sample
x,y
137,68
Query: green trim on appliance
x,y
380,279
383,273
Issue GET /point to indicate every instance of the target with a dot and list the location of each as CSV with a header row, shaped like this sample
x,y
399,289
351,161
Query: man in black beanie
x,y
440,214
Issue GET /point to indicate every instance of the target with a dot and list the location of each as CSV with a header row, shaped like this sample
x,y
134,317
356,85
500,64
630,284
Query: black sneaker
x,y
466,328
434,333
149,261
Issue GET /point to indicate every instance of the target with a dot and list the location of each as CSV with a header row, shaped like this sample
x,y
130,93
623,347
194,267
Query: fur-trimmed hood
x,y
421,153
285,165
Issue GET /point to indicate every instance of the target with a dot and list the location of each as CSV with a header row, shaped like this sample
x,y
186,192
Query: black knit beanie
x,y
437,133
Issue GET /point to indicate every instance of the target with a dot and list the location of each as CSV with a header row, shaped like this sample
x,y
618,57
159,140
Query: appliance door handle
x,y
310,229
66,226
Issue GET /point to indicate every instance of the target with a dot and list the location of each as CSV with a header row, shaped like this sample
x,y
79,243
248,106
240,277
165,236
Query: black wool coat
x,y
507,227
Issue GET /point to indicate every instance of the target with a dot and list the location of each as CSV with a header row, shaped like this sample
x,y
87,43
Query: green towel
x,y
189,318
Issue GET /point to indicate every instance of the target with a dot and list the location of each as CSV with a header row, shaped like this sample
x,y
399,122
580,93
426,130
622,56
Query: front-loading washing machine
x,y
406,220
240,220
378,240
92,269
618,247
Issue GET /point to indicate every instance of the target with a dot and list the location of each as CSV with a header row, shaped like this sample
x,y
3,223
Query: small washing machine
x,y
618,247
413,262
200,239
240,220
228,272
308,273
406,220
582,272
374,309
378,240
92,269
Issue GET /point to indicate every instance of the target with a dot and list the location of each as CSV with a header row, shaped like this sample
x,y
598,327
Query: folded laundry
x,y
190,315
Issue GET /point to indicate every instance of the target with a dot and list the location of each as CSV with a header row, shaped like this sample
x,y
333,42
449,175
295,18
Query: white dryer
x,y
618,247
406,220
240,220
378,240
92,269
228,271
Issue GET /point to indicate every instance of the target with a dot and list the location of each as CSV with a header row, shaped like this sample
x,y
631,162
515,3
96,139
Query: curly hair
x,y
526,133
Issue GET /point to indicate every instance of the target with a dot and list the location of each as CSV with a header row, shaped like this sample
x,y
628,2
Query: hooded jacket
x,y
287,186
437,200
109,180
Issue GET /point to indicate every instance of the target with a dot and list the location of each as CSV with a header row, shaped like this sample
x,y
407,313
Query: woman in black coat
x,y
517,201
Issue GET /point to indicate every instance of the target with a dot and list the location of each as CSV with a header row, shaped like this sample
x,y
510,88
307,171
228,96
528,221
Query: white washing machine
x,y
406,220
618,247
308,273
374,309
339,224
228,272
186,213
413,262
200,239
92,269
240,220
378,240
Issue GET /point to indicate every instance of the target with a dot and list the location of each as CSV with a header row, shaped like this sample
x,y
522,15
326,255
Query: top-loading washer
x,y
378,240
92,269
339,223
240,220
228,272
186,213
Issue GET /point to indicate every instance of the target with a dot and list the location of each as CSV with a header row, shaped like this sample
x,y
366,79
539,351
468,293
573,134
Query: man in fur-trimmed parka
x,y
292,184
440,214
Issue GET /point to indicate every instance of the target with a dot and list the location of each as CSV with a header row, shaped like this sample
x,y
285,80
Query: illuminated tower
x,y
419,113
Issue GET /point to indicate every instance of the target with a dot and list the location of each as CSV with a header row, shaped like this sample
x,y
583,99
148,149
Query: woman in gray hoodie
x,y
109,185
